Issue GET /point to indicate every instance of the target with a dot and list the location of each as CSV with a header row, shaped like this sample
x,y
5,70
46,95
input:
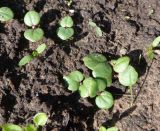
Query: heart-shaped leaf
x,y
92,60
40,119
32,18
89,88
128,77
104,71
31,127
25,60
66,22
121,64
34,35
73,80
65,33
11,127
104,100
6,14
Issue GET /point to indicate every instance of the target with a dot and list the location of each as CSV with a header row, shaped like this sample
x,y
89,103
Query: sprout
x,y
6,14
40,119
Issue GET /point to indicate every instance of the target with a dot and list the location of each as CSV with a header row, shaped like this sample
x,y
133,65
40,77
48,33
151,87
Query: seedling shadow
x,y
39,5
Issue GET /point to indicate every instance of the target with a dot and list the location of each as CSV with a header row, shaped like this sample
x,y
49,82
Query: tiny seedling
x,y
36,53
102,128
93,86
40,119
69,2
97,29
127,75
150,50
6,14
65,31
32,19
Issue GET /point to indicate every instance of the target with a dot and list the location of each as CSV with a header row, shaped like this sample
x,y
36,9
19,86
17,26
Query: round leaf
x,y
101,84
66,22
103,70
76,76
121,64
40,119
65,33
6,14
31,127
93,59
104,100
112,129
41,48
32,18
11,127
102,128
72,84
25,60
34,35
89,88
129,77
156,42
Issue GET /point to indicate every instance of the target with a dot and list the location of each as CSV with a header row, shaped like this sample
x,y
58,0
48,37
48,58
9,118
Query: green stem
x,y
131,91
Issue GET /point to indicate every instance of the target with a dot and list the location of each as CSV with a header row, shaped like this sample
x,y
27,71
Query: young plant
x,y
93,86
65,31
102,128
6,14
40,119
36,53
32,19
69,2
150,50
97,29
127,75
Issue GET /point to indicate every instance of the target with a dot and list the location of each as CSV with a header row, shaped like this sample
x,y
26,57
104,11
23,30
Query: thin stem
x,y
132,99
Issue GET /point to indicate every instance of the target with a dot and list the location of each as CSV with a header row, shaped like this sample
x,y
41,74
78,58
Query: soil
x,y
129,27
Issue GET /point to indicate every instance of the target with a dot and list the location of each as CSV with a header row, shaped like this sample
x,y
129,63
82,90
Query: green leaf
x,y
104,100
150,53
11,127
66,21
73,80
101,83
25,60
41,48
121,64
72,84
31,127
128,77
156,42
91,23
99,32
34,35
89,88
102,128
104,71
32,18
92,60
65,33
112,129
40,119
6,14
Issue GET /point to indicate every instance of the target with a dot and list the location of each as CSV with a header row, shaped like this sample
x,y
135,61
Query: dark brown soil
x,y
39,86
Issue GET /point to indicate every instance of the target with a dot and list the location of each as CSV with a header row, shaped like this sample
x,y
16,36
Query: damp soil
x,y
129,27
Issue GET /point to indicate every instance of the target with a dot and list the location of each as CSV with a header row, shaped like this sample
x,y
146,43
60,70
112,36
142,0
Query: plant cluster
x,y
40,119
6,14
102,77
151,50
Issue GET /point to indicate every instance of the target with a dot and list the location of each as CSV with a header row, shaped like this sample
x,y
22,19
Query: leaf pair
x,y
97,29
28,58
6,14
32,19
66,31
39,119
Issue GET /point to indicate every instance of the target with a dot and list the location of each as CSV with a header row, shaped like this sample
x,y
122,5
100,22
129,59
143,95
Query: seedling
x,y
93,86
150,50
97,29
65,31
40,119
102,128
32,19
127,75
6,14
36,53
69,2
